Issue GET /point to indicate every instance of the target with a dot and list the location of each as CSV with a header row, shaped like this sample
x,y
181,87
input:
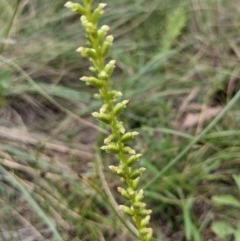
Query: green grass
x,y
48,138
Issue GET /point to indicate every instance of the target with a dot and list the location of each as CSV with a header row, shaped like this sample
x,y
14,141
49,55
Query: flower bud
x,y
114,169
148,236
104,108
82,51
102,5
102,32
128,150
131,192
111,147
103,75
87,52
139,205
75,7
84,20
92,81
145,221
118,108
93,69
110,67
144,212
126,210
106,118
115,94
98,12
107,45
129,136
131,160
139,195
123,192
145,231
137,173
88,26
135,183
109,139
120,127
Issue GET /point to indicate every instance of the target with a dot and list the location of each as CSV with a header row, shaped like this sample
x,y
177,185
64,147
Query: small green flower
x,y
75,7
129,136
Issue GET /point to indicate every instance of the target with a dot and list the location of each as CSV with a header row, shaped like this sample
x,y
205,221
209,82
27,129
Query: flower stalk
x,y
97,47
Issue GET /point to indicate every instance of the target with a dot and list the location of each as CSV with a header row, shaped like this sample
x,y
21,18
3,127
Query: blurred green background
x,y
177,63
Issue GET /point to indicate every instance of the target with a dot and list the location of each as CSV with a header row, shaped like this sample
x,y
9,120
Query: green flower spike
x,y
97,47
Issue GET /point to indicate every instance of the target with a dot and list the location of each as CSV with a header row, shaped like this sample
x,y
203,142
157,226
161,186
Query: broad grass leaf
x,y
222,229
226,200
